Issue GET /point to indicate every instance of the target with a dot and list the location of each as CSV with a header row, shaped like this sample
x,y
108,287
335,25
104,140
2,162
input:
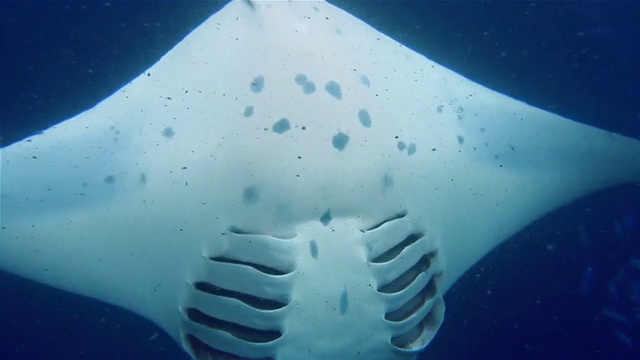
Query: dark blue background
x,y
531,298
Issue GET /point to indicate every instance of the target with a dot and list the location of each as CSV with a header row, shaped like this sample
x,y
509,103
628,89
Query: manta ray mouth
x,y
332,291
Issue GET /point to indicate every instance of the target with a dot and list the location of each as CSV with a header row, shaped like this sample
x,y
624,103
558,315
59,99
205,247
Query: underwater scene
x,y
565,287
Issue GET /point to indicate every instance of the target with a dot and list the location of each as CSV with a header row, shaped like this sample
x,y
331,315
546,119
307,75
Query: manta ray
x,y
285,177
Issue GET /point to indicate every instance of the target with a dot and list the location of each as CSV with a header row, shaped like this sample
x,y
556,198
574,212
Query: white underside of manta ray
x,y
289,183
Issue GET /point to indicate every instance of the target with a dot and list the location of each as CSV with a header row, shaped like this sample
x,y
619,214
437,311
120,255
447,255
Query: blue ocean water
x,y
567,287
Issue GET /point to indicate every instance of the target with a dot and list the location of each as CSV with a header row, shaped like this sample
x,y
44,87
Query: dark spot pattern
x,y
411,149
340,141
142,179
364,80
281,126
257,84
326,218
333,88
364,117
309,87
313,249
439,109
460,139
248,111
401,145
250,195
387,181
168,132
300,79
344,302
110,179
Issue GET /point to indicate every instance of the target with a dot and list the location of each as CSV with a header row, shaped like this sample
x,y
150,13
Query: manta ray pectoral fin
x,y
526,163
285,172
